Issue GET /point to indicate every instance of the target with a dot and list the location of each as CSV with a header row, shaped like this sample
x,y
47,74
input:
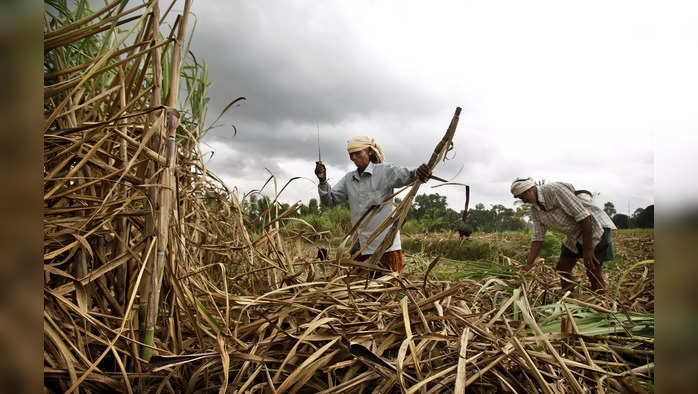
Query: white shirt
x,y
363,191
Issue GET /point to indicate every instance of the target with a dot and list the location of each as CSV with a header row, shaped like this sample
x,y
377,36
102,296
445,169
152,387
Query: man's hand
x,y
424,173
320,171
533,259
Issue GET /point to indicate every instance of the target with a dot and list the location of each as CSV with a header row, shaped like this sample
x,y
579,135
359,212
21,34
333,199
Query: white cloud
x,y
579,92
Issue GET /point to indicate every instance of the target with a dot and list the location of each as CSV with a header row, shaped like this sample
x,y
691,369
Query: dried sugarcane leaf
x,y
462,356
291,379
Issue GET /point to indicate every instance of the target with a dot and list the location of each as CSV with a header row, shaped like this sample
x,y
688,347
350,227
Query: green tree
x,y
644,218
633,223
504,219
522,210
610,209
339,217
262,204
497,218
433,220
430,212
454,220
313,206
425,202
251,206
621,220
478,218
284,206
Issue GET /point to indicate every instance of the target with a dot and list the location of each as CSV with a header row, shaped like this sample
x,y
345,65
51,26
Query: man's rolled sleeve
x,y
400,176
330,196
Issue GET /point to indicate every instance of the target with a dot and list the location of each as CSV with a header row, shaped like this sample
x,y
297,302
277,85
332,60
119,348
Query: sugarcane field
x,y
161,276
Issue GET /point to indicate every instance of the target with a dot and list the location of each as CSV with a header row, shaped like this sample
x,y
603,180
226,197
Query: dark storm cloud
x,y
396,73
304,68
302,64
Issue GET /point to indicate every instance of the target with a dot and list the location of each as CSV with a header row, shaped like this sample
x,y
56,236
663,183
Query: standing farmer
x,y
587,228
371,183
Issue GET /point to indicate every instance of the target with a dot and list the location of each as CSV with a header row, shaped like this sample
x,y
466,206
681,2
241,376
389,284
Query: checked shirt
x,y
561,209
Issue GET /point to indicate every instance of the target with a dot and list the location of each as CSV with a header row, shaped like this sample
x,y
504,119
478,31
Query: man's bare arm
x,y
536,246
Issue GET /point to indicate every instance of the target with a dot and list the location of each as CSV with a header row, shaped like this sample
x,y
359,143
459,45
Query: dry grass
x,y
153,283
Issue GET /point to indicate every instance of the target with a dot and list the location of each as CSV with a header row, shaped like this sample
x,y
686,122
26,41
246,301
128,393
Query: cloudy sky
x,y
581,92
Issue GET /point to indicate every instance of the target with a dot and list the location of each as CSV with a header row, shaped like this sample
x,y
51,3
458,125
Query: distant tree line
x,y
641,218
429,213
335,219
497,218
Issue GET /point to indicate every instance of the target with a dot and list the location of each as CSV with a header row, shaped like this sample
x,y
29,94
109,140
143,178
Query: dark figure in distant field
x,y
587,229
464,232
322,254
371,183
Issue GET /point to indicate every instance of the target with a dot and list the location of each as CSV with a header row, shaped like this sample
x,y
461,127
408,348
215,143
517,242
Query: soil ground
x,y
631,246
485,255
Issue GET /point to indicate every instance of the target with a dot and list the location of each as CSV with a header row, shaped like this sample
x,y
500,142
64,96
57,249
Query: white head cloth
x,y
520,185
362,142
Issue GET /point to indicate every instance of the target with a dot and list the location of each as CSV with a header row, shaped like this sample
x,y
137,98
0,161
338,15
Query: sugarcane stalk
x,y
167,180
148,282
397,217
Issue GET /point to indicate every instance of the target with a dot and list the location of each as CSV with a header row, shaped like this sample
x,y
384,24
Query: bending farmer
x,y
371,183
586,227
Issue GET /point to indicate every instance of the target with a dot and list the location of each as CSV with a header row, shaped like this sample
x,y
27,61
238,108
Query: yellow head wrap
x,y
362,142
